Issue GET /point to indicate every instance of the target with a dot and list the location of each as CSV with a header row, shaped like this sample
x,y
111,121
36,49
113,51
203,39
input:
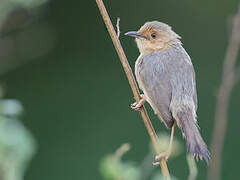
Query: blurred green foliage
x,y
112,167
158,176
28,3
177,147
75,94
193,171
17,145
115,169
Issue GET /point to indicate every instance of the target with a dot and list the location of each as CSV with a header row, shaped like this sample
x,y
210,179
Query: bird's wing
x,y
182,79
153,79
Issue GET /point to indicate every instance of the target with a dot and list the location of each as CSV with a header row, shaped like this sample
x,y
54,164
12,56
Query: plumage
x,y
170,88
158,75
165,74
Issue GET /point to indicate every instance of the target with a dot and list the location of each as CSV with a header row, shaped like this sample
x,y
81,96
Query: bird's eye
x,y
154,35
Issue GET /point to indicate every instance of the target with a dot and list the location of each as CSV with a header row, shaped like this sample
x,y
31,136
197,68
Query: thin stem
x,y
228,81
132,83
118,28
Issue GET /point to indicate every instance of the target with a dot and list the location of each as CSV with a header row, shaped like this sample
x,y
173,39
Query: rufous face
x,y
154,40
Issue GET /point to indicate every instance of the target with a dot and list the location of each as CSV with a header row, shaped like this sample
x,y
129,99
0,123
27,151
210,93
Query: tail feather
x,y
188,124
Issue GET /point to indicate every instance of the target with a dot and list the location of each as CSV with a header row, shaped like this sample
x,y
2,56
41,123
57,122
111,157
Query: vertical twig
x,y
132,83
228,80
118,28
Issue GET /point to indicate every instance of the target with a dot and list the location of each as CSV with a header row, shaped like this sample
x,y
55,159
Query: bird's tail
x,y
187,122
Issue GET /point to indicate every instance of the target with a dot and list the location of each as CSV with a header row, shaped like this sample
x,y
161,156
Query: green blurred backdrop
x,y
76,96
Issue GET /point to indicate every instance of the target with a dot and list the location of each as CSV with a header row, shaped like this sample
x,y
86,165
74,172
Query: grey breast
x,y
166,76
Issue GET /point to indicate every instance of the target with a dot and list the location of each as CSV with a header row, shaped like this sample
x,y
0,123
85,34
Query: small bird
x,y
166,76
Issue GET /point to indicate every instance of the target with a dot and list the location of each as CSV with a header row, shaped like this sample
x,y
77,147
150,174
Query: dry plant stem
x,y
118,28
228,80
132,83
121,151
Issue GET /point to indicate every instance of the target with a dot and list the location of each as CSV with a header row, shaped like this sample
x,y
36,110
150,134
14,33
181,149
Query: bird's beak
x,y
135,34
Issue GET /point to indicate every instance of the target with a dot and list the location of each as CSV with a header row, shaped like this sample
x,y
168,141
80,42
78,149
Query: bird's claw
x,y
137,105
160,157
156,163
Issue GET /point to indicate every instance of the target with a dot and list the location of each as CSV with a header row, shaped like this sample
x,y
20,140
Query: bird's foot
x,y
137,105
161,156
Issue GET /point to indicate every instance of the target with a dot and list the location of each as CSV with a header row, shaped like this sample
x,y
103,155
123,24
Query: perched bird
x,y
166,76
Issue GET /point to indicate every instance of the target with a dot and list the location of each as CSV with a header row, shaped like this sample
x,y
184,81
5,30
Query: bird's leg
x,y
166,154
137,105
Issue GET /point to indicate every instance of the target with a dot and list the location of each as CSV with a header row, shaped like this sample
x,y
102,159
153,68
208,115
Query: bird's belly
x,y
152,101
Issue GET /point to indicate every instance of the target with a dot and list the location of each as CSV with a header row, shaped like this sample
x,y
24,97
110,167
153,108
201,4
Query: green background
x,y
76,97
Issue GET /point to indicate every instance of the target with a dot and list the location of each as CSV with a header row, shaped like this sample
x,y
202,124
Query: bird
x,y
166,76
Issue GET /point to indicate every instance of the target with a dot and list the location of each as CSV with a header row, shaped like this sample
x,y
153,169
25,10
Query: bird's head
x,y
154,36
